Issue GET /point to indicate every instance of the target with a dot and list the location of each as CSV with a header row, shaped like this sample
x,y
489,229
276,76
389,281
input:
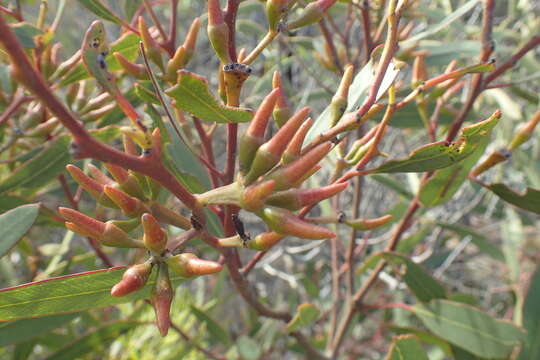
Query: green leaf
x,y
439,155
127,45
95,341
26,33
445,183
424,336
191,94
470,328
22,330
531,319
406,347
68,294
529,201
464,9
213,327
393,184
41,169
421,284
306,315
479,240
14,224
100,10
248,349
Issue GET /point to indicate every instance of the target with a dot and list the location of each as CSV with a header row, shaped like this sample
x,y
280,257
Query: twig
x,y
13,107
190,341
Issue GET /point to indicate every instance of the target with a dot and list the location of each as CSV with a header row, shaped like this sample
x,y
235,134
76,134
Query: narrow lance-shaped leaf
x,y
529,201
470,328
14,332
191,94
67,294
441,154
14,224
94,341
41,169
406,347
213,327
101,10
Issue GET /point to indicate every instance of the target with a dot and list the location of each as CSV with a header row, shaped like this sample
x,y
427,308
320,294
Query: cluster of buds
x,y
123,191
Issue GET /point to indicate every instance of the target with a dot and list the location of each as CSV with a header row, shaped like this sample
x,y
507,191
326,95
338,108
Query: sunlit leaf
x,y
406,347
529,201
100,10
191,94
531,319
22,330
306,314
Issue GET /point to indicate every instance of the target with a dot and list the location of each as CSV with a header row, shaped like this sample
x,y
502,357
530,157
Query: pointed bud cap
x,y
129,205
136,70
82,224
189,265
285,222
294,149
311,14
368,224
162,296
134,279
150,45
295,199
253,197
155,238
127,181
218,31
191,38
265,241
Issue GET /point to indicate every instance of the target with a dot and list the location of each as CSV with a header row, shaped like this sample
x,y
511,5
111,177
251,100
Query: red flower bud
x,y
312,13
286,222
294,149
265,241
155,238
218,31
254,196
95,189
127,181
282,111
129,205
150,45
136,70
367,224
188,265
191,38
295,199
133,279
82,224
162,296
99,176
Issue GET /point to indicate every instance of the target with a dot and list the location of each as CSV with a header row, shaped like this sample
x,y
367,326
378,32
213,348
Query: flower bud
x,y
95,189
367,224
155,238
44,129
191,39
419,73
127,181
288,175
294,149
282,111
136,70
66,66
97,114
311,14
493,159
275,10
168,216
253,197
162,296
134,279
285,222
218,31
177,62
254,135
269,154
82,224
130,206
96,102
295,199
338,105
114,236
99,176
525,132
189,265
265,241
150,45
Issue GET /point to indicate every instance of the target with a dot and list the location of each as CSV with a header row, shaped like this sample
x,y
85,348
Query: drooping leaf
x,y
421,284
476,238
100,10
67,294
470,328
531,319
127,45
440,155
213,327
41,169
393,184
94,341
14,224
26,33
529,201
306,314
406,347
22,330
192,94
